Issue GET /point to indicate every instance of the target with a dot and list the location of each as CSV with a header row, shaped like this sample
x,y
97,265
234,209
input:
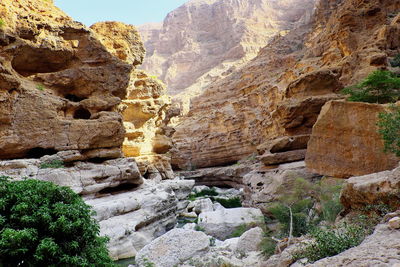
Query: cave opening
x,y
39,152
82,113
125,187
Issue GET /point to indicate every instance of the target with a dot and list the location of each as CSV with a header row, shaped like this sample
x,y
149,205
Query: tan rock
x,y
283,157
370,190
60,84
394,223
345,141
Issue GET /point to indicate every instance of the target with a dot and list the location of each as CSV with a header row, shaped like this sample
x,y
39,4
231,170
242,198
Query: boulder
x,y
372,190
172,248
394,223
222,223
283,157
250,240
202,205
345,141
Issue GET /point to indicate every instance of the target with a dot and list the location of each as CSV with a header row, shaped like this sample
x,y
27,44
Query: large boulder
x,y
250,240
371,190
174,247
222,223
345,141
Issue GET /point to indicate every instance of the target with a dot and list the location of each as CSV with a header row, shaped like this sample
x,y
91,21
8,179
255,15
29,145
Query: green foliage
x,y
42,224
330,242
199,228
329,197
212,241
2,23
268,246
240,230
389,129
229,203
55,164
148,263
40,87
203,193
379,87
395,62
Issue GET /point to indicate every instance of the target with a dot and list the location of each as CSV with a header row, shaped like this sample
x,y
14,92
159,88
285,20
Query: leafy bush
x,y
2,23
330,242
228,203
389,129
239,231
42,224
203,193
55,164
379,87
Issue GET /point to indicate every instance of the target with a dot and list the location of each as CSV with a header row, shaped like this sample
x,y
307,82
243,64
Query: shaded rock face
x,y
380,188
60,85
345,141
280,92
204,40
131,211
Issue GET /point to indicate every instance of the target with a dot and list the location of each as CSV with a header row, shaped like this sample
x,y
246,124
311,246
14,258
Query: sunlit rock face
x,y
59,84
280,92
203,41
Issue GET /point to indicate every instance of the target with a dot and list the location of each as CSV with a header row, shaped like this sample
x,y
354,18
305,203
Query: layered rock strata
x,y
60,84
280,92
202,41
131,211
345,141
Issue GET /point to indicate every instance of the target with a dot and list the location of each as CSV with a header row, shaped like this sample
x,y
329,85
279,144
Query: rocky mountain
x,y
270,105
204,40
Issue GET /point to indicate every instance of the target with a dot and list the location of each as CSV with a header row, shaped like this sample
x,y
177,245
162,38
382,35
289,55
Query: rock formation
x,y
59,84
202,41
279,93
345,141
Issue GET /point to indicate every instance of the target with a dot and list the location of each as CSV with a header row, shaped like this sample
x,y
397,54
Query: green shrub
x,y
40,87
239,231
330,242
229,203
379,87
55,164
203,193
268,246
389,129
42,224
2,23
329,197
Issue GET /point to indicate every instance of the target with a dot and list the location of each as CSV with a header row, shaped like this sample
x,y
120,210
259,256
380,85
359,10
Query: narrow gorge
x,y
227,135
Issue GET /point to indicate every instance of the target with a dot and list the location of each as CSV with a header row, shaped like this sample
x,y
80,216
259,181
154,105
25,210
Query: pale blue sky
x,y
134,12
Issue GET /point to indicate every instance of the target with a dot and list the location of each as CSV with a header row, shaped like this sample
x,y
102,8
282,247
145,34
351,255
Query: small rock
x,y
250,240
189,214
201,205
189,226
394,223
218,206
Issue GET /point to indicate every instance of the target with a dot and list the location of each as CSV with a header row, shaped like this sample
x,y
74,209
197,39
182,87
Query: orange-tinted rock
x,y
345,141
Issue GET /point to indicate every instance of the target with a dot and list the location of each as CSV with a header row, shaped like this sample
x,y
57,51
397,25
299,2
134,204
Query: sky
x,y
134,12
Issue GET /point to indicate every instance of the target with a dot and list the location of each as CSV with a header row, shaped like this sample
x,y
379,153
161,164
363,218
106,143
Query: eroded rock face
x,y
281,92
345,141
131,211
372,189
204,40
60,85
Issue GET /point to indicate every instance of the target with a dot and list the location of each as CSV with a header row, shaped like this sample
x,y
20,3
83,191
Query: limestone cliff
x,y
274,100
202,41
59,84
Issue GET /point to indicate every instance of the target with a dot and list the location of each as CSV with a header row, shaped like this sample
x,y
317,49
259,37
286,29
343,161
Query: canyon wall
x,y
203,41
270,105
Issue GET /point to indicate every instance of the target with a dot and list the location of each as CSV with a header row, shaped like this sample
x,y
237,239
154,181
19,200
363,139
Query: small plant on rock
x,y
381,86
55,164
40,87
2,23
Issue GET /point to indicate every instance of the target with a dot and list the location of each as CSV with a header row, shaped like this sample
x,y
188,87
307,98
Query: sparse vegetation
x,y
228,203
380,86
203,193
268,246
42,224
2,23
389,129
40,87
330,242
240,230
55,164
